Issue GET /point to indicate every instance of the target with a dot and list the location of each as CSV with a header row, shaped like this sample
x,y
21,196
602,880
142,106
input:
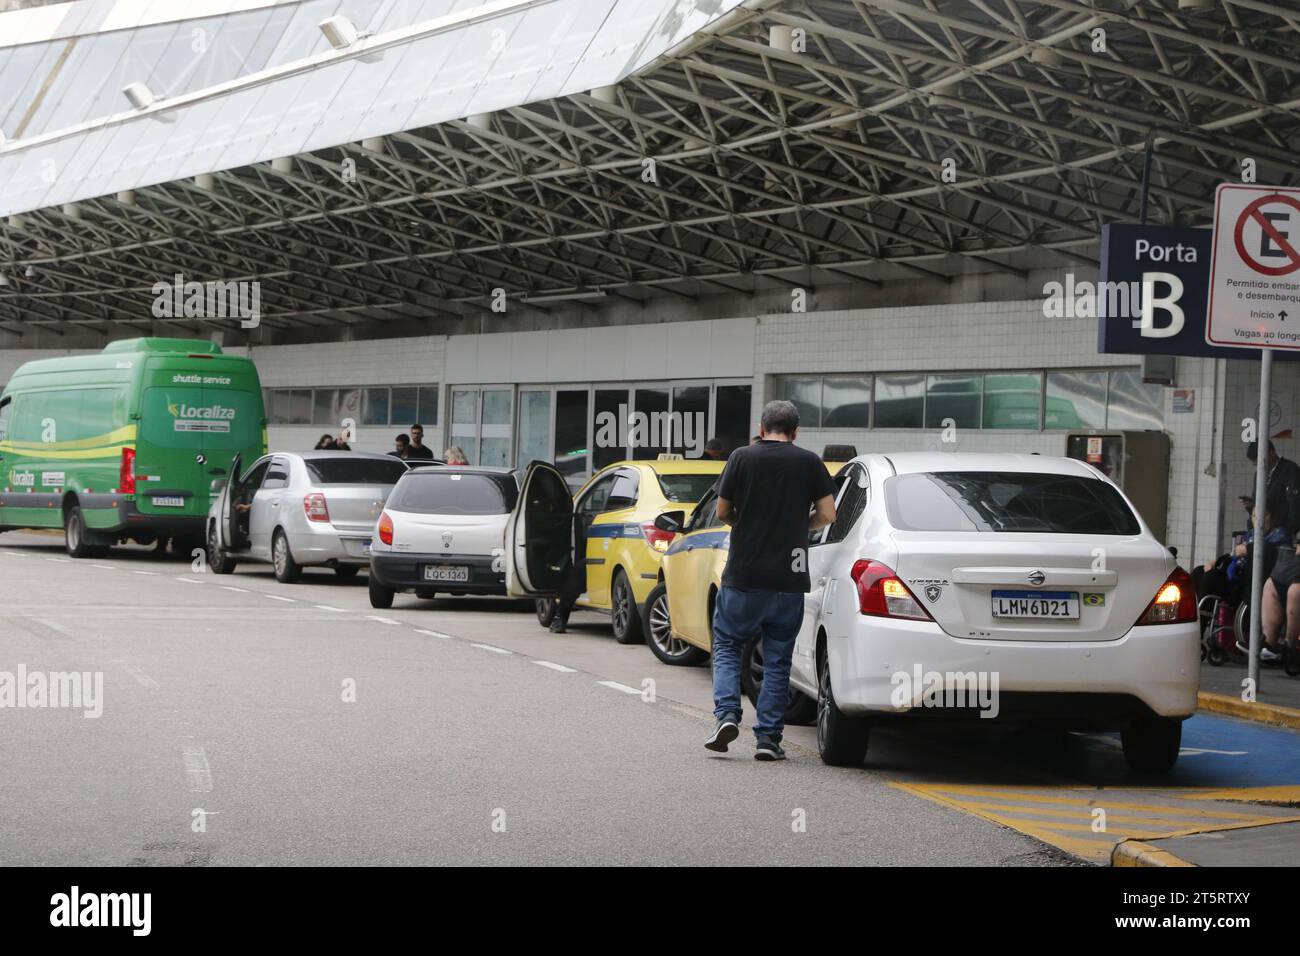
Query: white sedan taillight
x,y
315,507
882,594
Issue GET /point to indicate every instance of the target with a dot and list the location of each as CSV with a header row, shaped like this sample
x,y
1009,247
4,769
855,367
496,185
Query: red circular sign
x,y
1252,212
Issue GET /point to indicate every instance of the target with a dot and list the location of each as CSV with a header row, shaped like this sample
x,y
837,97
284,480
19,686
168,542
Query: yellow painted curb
x,y
1272,714
1137,853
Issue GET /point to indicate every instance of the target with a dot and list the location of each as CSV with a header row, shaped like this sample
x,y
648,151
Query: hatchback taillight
x,y
126,473
386,529
1174,603
882,594
315,507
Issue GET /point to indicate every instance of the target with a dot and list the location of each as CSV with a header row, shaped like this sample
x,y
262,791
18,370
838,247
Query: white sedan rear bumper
x,y
886,665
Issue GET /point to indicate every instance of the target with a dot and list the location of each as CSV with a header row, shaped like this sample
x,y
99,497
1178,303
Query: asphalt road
x,y
310,729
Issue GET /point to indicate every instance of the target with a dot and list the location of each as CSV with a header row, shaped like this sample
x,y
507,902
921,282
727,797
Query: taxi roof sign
x,y
1254,292
669,456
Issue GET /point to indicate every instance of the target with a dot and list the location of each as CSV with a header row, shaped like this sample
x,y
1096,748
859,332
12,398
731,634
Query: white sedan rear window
x,y
1007,501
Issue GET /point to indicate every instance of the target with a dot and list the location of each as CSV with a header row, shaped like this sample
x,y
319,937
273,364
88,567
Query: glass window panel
x,y
469,445
806,393
464,407
609,440
649,430
571,434
376,407
691,408
405,409
955,397
280,400
1075,400
534,426
1012,399
731,416
496,406
300,407
900,401
846,401
495,453
428,410
322,412
1132,403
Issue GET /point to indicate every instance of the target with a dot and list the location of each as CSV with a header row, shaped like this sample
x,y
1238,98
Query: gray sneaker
x,y
725,731
768,749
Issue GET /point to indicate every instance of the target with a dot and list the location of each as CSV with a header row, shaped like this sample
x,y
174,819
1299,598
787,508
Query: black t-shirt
x,y
420,451
772,485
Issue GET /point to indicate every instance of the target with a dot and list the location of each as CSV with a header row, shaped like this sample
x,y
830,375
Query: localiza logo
x,y
181,410
75,908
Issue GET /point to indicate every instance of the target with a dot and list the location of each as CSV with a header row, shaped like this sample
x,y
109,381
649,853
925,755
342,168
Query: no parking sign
x,y
1255,269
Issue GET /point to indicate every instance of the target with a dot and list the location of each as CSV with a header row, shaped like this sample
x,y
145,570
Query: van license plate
x,y
1047,605
456,574
168,501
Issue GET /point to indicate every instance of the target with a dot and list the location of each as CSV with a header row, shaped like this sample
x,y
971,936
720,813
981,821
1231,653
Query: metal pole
x,y
1146,174
1261,490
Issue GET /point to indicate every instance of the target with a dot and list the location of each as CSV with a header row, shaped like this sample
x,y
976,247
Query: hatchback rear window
x,y
1007,501
450,492
686,488
354,471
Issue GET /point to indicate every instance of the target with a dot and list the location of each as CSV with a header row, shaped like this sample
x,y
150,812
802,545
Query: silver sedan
x,y
301,509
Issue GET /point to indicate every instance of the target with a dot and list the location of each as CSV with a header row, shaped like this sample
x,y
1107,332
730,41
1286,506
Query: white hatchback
x,y
1021,587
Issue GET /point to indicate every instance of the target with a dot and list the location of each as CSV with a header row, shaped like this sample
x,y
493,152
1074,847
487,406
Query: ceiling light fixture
x,y
141,96
341,32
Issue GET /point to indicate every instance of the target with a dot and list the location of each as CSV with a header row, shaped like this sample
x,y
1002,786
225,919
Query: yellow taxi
x,y
678,611
615,511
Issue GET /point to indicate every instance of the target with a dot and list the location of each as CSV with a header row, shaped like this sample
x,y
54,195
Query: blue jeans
x,y
742,615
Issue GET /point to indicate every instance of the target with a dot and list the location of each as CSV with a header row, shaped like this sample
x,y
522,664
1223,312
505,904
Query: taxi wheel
x,y
346,572
217,559
658,629
545,611
623,610
1151,744
380,596
841,740
287,570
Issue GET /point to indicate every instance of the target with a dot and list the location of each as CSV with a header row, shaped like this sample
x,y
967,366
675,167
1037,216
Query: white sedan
x,y
1021,587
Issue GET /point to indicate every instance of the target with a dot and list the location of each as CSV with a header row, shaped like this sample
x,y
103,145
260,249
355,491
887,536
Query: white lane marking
x,y
54,626
445,637
326,607
615,685
104,567
227,587
189,580
381,620
494,650
143,679
58,560
276,597
18,554
556,667
197,769
154,573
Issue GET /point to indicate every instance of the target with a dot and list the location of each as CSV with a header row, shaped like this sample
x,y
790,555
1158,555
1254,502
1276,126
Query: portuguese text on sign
x,y
1255,269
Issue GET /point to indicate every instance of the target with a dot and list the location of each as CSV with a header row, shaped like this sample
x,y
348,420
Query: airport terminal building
x,y
507,220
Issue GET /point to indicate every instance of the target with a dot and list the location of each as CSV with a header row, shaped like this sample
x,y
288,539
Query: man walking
x,y
766,494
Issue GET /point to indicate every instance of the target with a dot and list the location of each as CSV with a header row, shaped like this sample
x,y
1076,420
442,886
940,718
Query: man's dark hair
x,y
417,425
781,417
1252,450
713,444
403,438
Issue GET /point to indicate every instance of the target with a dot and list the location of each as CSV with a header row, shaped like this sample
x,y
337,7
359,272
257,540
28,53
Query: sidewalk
x,y
1279,694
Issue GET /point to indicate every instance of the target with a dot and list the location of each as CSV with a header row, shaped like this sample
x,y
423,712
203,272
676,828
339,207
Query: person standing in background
x,y
418,449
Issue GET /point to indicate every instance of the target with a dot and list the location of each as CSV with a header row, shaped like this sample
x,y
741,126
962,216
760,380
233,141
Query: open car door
x,y
227,529
539,536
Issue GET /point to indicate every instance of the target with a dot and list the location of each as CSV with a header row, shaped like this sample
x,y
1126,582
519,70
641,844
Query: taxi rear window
x,y
686,488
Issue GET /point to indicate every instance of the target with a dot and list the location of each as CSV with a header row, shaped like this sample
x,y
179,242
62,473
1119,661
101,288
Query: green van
x,y
125,443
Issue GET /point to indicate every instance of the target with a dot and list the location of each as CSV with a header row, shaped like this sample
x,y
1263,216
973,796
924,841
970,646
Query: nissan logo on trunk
x,y
1036,578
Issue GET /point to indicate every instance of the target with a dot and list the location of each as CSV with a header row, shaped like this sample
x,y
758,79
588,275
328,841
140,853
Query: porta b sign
x,y
1254,292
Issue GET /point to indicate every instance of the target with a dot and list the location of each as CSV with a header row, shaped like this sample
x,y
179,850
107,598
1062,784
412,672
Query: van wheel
x,y
841,740
346,572
287,570
800,709
380,596
623,610
75,536
1151,744
218,560
658,629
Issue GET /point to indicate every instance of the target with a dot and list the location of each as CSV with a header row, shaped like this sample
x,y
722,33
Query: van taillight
x,y
315,507
882,594
126,475
1174,603
386,529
